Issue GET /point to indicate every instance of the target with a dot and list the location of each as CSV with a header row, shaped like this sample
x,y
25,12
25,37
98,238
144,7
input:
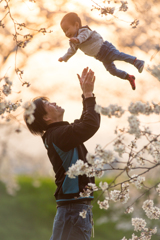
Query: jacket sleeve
x,y
83,110
70,136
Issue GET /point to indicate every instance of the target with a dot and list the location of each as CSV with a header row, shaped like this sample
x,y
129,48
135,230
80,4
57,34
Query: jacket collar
x,y
55,124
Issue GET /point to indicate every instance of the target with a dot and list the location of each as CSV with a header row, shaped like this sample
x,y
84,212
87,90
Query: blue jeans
x,y
108,54
69,225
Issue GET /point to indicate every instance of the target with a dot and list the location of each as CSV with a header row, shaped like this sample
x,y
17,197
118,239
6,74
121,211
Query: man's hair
x,y
72,18
39,125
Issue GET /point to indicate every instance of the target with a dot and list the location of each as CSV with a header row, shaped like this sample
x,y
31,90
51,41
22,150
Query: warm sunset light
x,y
124,146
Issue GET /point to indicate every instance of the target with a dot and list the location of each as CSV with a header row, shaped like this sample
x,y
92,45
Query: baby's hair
x,y
72,18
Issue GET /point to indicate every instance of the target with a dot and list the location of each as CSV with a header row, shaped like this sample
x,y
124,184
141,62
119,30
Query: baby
x,y
92,44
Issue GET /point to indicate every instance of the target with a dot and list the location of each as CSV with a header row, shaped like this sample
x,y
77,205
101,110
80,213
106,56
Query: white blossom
x,y
99,163
156,108
106,10
30,119
151,211
6,89
106,155
111,110
123,6
140,160
103,186
29,108
154,231
129,210
98,108
93,186
147,205
119,147
90,158
2,107
134,126
79,168
136,108
137,180
85,193
6,79
119,196
139,224
155,71
104,204
83,213
99,173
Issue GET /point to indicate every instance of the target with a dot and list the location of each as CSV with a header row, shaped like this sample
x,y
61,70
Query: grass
x,y
30,214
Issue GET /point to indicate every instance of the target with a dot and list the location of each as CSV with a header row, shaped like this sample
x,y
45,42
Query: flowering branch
x,y
107,9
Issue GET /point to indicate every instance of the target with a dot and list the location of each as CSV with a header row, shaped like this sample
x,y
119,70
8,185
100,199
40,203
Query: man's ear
x,y
46,118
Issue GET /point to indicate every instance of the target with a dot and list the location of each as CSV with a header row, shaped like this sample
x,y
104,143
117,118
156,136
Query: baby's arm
x,y
71,51
74,40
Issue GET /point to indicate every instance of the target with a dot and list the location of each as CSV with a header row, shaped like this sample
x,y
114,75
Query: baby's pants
x,y
108,53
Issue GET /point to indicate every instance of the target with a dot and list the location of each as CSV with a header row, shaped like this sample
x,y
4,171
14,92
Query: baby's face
x,y
69,29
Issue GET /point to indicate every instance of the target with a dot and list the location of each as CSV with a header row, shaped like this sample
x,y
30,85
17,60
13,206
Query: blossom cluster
x,y
83,213
134,108
111,110
137,180
139,224
129,210
94,165
151,211
106,9
145,235
155,71
123,6
6,88
143,108
119,147
154,150
29,110
134,124
120,196
8,106
103,204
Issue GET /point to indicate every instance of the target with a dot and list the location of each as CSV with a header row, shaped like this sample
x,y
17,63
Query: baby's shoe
x,y
131,79
139,64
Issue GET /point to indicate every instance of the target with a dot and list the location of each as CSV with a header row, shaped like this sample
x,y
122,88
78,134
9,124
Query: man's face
x,y
54,112
69,29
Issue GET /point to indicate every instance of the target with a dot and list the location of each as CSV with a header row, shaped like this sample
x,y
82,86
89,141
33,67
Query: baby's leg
x,y
111,68
117,55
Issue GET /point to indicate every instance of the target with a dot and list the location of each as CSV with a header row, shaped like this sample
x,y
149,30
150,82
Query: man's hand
x,y
87,80
60,59
74,40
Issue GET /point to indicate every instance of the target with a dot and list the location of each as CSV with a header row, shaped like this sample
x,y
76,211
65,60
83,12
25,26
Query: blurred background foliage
x,y
29,215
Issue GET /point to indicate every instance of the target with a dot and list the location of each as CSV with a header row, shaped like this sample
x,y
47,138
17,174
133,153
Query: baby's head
x,y
70,24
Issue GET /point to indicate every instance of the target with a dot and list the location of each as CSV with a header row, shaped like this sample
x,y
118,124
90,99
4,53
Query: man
x,y
64,143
